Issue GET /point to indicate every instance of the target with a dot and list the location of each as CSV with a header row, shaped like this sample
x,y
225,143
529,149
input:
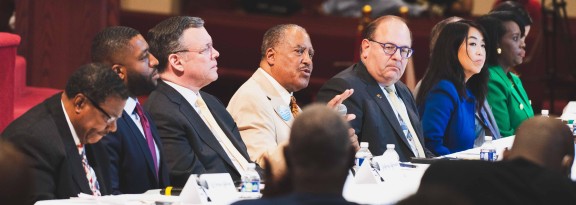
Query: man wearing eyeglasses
x,y
384,107
198,134
61,135
136,158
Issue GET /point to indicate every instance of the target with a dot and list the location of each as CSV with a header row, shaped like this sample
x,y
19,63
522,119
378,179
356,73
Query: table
x,y
403,185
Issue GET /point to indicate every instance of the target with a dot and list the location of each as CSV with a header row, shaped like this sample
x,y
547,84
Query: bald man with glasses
x,y
384,106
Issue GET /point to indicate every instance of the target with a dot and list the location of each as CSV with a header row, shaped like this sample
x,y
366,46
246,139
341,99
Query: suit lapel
x,y
521,96
228,131
378,96
195,121
273,96
139,139
74,160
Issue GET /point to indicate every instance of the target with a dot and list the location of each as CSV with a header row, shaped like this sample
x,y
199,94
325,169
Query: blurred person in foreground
x,y
318,157
15,177
535,170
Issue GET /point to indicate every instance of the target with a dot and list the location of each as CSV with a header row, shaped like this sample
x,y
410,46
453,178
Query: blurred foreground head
x,y
545,141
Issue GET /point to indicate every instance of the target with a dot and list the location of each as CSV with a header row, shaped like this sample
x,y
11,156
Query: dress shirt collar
x,y
188,94
284,94
386,92
70,126
130,105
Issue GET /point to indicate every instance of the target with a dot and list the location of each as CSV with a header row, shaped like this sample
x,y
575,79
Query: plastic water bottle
x,y
363,154
251,180
544,113
488,150
390,158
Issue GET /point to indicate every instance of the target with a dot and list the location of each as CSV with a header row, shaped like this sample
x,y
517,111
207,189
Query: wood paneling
x,y
57,34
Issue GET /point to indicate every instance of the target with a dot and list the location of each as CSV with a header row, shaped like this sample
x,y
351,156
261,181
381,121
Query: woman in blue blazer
x,y
453,85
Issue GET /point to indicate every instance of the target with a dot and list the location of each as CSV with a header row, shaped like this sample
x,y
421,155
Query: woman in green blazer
x,y
506,95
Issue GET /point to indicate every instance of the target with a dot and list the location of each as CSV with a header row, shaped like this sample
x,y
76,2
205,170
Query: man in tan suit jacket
x,y
261,107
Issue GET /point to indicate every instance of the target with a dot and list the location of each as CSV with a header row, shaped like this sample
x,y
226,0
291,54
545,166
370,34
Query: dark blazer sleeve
x,y
43,154
113,144
171,124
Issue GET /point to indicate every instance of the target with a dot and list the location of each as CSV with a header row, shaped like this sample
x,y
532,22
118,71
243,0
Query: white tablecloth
x,y
388,192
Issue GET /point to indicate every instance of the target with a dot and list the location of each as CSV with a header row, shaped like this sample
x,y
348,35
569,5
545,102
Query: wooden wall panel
x,y
56,36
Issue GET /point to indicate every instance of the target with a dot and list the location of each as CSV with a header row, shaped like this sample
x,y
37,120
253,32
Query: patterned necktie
x,y
148,135
410,135
90,174
294,106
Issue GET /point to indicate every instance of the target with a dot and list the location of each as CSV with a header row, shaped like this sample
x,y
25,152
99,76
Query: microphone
x,y
342,110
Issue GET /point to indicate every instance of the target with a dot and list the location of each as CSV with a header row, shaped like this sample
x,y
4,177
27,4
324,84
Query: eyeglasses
x,y
110,118
390,49
207,50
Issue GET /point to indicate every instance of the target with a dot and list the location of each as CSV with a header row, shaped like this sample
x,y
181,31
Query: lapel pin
x,y
378,95
284,112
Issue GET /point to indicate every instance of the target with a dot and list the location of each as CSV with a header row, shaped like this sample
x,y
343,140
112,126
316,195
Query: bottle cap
x,y
390,146
544,112
487,138
364,144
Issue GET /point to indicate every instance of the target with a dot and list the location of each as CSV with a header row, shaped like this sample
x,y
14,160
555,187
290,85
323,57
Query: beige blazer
x,y
256,108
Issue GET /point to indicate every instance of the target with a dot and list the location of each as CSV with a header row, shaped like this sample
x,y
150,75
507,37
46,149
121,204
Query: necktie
x,y
148,135
411,136
90,174
237,159
294,106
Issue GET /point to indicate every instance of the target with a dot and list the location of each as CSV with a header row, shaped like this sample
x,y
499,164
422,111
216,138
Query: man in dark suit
x,y
318,155
535,171
384,107
136,154
61,135
197,132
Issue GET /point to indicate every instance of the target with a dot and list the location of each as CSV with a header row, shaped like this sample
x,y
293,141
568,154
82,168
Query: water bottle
x,y
251,180
544,113
363,154
390,158
488,150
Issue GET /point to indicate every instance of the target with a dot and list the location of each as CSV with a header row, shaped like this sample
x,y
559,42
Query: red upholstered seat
x,y
16,97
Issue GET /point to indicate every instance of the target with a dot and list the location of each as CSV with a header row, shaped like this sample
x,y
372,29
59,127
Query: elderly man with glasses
x,y
384,107
61,135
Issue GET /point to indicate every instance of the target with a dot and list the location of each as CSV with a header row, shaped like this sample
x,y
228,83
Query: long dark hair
x,y
444,64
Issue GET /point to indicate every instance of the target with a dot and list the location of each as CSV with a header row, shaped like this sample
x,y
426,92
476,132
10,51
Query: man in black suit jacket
x,y
384,56
197,132
535,171
134,169
55,133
